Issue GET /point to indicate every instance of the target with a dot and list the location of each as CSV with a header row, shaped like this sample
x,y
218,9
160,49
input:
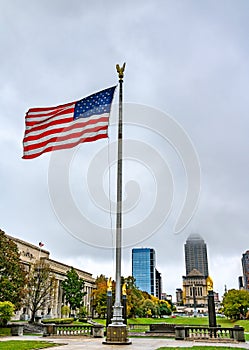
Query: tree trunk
x,y
32,319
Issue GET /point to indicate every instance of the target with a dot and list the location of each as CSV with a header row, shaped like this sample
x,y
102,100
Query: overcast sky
x,y
185,59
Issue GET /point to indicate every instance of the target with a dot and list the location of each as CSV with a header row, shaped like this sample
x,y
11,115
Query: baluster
x,y
206,333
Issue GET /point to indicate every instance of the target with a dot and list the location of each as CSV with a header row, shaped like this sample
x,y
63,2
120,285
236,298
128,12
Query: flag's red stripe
x,y
44,109
46,125
60,147
58,139
78,123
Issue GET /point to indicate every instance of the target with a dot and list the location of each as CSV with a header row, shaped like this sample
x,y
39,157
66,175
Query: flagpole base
x,y
117,335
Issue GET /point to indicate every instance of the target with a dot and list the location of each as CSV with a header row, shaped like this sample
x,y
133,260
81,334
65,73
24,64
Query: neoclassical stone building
x,y
30,253
195,292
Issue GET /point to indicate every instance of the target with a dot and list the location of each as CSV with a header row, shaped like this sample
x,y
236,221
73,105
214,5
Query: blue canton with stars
x,y
98,103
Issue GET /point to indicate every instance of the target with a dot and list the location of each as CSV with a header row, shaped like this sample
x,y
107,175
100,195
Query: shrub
x,y
65,310
6,312
59,320
82,313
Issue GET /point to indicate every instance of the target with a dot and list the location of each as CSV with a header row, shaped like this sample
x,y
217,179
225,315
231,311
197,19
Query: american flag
x,y
66,126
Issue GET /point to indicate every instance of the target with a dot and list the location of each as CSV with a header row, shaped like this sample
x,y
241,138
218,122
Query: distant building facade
x,y
29,254
166,297
143,269
179,297
245,269
196,255
194,290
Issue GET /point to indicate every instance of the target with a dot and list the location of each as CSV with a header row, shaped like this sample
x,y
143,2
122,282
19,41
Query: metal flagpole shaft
x,y
117,311
117,333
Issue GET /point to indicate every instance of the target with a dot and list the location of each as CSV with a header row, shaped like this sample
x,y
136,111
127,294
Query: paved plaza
x,y
78,343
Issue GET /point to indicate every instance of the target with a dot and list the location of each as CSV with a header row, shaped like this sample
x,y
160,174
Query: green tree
x,y
73,287
164,307
40,287
12,275
236,303
6,312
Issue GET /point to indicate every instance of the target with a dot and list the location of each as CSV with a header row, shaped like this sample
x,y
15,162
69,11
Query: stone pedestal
x,y
98,331
117,335
17,329
48,329
238,333
179,333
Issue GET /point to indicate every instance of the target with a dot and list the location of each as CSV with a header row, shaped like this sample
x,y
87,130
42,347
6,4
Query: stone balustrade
x,y
73,330
210,333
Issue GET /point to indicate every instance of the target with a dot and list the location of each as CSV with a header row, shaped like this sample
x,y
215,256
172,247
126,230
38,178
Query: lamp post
x,y
124,302
109,302
194,300
211,305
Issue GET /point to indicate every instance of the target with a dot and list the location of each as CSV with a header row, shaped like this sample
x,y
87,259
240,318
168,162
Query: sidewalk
x,y
78,343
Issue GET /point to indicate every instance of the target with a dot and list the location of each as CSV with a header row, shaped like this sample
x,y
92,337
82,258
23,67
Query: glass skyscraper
x,y
143,269
196,255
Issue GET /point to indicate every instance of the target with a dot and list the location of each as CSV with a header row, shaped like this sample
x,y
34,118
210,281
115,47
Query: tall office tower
x,y
143,269
196,255
245,268
158,280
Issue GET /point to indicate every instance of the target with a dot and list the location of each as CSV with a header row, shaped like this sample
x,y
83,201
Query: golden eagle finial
x,y
120,70
210,284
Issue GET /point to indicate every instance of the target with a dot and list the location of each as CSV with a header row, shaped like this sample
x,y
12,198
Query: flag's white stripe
x,y
65,142
63,125
65,133
46,120
52,110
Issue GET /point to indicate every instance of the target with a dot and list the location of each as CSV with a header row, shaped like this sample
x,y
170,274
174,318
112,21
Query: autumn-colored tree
x,y
236,303
134,297
153,306
12,274
40,287
139,303
99,296
149,308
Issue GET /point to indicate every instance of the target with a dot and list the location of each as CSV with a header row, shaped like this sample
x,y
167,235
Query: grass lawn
x,y
26,345
5,332
199,348
190,321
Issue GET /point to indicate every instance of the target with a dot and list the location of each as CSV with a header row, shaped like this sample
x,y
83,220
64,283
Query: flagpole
x,y
117,331
117,312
